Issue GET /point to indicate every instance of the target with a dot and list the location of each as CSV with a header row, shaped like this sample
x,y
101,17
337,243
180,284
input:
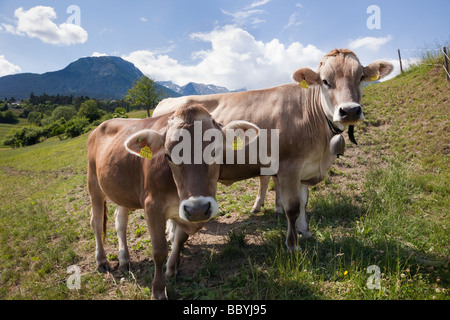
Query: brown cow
x,y
130,162
310,118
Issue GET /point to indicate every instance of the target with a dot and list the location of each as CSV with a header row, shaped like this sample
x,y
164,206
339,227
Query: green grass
x,y
387,207
386,227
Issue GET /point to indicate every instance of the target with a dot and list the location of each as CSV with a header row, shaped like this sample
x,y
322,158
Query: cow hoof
x,y
293,249
255,210
124,268
278,212
104,267
160,296
170,273
124,261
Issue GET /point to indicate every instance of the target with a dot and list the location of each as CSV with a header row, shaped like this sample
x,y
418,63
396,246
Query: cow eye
x,y
325,82
168,157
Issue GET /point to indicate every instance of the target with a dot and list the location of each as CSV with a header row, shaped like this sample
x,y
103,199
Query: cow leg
x,y
171,226
262,189
181,230
157,225
180,237
289,185
121,221
98,221
278,198
301,223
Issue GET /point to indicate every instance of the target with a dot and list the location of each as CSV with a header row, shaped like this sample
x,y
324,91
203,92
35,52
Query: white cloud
x,y
7,67
37,23
143,19
11,29
371,43
246,15
293,21
98,54
242,17
258,3
235,60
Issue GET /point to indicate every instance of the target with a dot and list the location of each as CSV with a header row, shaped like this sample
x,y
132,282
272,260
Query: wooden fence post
x,y
400,59
446,63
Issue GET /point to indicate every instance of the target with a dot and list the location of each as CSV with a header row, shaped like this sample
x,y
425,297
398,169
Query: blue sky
x,y
245,43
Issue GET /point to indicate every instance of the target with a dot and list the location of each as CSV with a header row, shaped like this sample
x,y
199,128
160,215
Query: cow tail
x,y
105,219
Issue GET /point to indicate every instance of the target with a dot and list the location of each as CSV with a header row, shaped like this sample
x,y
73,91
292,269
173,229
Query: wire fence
x,y
426,53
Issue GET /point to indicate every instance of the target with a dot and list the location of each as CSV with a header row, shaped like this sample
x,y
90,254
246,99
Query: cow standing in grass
x,y
310,119
130,162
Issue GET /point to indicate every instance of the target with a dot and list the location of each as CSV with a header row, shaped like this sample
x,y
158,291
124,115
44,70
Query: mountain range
x,y
104,77
193,88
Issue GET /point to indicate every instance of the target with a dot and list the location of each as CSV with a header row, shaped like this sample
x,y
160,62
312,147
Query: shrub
x,y
76,127
34,117
26,111
54,128
66,112
46,121
8,117
89,109
120,113
25,136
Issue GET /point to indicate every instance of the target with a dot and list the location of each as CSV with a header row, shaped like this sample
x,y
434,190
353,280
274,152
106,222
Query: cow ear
x,y
306,77
145,143
242,129
377,70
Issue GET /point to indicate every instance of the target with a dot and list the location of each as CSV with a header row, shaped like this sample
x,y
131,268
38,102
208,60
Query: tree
x,y
35,117
89,109
8,117
120,113
145,92
66,112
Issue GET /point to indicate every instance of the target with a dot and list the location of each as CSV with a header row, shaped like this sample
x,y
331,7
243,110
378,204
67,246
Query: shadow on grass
x,y
250,262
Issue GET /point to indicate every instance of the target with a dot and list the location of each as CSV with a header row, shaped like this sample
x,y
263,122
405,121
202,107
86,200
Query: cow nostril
x,y
197,211
358,111
208,209
342,112
187,209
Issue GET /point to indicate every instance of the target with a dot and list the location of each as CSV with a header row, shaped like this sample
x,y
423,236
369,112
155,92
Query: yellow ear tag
x,y
304,84
374,78
146,152
238,144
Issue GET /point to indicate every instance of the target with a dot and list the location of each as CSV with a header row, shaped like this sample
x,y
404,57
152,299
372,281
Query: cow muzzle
x,y
198,209
348,113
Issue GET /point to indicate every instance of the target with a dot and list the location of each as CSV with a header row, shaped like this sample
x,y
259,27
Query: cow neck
x,y
334,130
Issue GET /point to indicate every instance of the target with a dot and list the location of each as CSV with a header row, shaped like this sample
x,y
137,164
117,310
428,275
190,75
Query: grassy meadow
x,y
380,221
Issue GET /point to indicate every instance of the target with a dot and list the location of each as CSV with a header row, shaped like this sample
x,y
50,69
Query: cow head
x,y
341,77
192,145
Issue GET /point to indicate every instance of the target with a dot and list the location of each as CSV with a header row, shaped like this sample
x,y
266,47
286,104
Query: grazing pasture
x,y
380,220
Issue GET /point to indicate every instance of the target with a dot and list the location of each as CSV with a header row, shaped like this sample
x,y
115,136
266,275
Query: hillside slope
x,y
409,117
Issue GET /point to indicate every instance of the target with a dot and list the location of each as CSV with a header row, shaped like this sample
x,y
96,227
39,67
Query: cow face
x,y
191,144
341,77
